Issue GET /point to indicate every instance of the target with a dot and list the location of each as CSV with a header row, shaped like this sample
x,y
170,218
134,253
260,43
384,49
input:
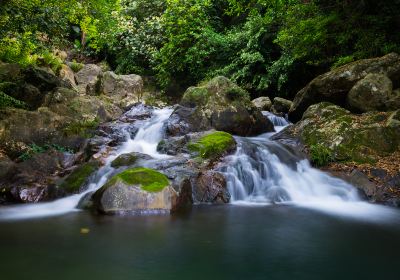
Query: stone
x,y
126,89
88,79
281,106
371,93
262,103
129,159
210,187
220,105
137,190
66,74
335,85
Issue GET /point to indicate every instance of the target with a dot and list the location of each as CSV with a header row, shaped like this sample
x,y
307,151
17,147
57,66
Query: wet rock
x,y
129,159
210,187
335,85
262,103
221,105
79,177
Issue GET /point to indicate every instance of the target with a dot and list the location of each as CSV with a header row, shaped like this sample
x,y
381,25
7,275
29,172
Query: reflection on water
x,y
211,242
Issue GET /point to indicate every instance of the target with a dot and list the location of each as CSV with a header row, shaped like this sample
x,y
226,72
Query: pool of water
x,y
208,242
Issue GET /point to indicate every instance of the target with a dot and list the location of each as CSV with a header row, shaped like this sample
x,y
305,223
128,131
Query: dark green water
x,y
210,242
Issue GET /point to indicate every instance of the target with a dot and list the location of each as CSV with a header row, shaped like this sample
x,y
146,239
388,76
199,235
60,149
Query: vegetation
x,y
320,155
149,179
36,149
213,145
82,128
79,176
266,46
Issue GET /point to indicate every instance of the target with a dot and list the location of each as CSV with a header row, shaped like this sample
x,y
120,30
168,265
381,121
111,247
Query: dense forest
x,y
269,47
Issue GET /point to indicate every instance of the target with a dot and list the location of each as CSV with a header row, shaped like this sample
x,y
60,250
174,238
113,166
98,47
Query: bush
x,y
320,155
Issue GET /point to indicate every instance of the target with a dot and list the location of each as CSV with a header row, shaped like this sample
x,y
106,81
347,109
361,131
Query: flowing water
x,y
287,220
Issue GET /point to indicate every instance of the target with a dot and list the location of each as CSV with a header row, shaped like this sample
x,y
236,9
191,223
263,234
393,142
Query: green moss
x,y
213,145
195,96
150,180
81,128
79,176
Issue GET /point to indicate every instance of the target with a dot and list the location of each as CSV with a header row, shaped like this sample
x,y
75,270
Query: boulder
x,y
137,190
356,138
89,79
126,89
371,93
281,106
79,177
221,105
66,74
210,187
335,85
6,166
262,103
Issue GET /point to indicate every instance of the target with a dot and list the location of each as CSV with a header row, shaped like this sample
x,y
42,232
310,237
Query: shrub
x,y
320,155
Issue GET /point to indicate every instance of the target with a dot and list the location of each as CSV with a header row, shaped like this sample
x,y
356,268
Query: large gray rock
x,y
371,93
127,89
66,74
335,85
89,79
210,187
220,105
136,195
263,103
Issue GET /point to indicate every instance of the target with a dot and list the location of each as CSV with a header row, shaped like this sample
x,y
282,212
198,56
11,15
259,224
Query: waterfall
x,y
145,141
266,172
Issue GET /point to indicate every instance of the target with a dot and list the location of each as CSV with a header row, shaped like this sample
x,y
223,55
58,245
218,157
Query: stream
x,y
286,220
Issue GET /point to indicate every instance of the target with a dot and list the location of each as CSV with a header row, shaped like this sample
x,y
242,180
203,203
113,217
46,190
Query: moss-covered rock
x,y
335,85
136,190
352,138
219,104
213,145
79,177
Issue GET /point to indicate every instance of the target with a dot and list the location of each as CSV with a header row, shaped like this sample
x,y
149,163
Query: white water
x,y
264,172
145,141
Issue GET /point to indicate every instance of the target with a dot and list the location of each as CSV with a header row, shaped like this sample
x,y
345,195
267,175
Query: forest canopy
x,y
267,46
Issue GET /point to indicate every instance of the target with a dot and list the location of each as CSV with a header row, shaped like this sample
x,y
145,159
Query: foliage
x,y
150,180
8,101
82,128
76,66
213,145
320,155
36,149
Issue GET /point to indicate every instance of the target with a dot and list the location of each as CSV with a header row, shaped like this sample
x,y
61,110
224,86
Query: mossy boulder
x,y
129,159
136,190
79,177
281,106
219,104
263,103
335,85
349,138
213,145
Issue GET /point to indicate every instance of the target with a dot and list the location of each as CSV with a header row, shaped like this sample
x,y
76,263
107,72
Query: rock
x,y
129,159
394,119
281,106
66,74
43,80
357,138
262,103
10,72
371,93
220,104
335,85
213,145
74,182
137,190
89,79
6,166
126,89
210,187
